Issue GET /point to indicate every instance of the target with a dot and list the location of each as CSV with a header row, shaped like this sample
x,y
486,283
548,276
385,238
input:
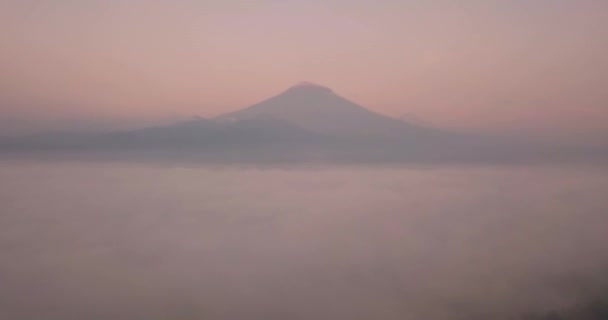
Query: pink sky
x,y
505,65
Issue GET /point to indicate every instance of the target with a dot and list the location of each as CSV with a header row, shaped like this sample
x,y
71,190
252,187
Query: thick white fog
x,y
134,241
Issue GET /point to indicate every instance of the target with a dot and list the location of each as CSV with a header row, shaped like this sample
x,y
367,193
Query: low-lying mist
x,y
133,241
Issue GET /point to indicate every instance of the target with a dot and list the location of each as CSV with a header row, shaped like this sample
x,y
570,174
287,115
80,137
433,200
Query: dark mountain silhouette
x,y
307,122
319,109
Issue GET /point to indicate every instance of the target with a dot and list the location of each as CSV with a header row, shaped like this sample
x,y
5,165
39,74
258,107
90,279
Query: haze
x,y
531,67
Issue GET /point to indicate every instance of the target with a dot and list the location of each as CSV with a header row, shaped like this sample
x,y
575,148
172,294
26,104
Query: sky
x,y
512,66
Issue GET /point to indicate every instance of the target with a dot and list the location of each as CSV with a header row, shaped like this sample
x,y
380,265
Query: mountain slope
x,y
205,133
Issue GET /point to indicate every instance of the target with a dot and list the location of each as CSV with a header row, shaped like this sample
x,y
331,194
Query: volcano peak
x,y
307,86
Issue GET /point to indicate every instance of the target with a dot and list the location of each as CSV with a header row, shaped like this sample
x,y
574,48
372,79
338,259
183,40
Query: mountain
x,y
319,109
307,122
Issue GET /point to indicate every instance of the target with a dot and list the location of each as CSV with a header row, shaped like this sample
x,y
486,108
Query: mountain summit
x,y
318,108
309,87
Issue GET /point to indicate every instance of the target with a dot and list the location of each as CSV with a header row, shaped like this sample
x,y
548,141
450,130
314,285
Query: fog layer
x,y
132,241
